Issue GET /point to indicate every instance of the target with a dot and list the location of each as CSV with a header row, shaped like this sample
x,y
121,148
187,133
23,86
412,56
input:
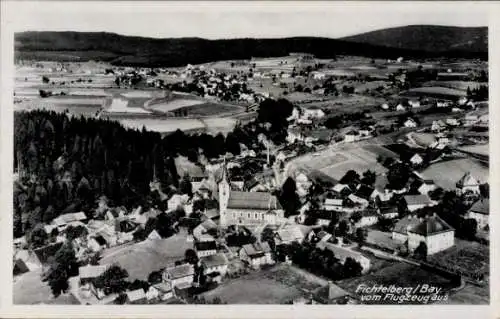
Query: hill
x,y
139,51
430,38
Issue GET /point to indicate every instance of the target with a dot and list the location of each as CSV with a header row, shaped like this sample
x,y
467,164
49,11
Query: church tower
x,y
224,191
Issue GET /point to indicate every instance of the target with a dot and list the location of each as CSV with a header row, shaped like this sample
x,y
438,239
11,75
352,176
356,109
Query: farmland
x,y
435,91
276,285
447,173
158,253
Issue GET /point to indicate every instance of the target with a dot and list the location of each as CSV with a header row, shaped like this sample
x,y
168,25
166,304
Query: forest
x,y
66,165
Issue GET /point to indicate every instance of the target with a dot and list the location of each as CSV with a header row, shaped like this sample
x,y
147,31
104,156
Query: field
x,y
446,174
423,139
399,274
465,256
435,91
482,149
459,85
380,151
29,289
276,285
140,259
73,109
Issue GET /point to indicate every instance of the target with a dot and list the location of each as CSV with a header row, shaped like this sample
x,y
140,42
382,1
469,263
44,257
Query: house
x,y
431,230
333,204
416,159
215,263
400,107
414,202
452,122
342,189
438,126
365,192
180,276
427,186
414,103
88,274
25,261
470,119
384,106
480,211
205,248
294,134
351,136
358,200
369,217
462,100
137,296
288,234
162,291
331,294
468,183
442,104
389,212
212,213
177,201
256,255
154,235
201,232
63,220
325,216
343,253
410,123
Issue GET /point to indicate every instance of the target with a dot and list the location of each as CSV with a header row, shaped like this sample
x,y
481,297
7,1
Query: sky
x,y
237,19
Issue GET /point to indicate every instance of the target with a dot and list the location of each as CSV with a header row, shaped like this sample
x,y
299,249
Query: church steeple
x,y
224,192
225,175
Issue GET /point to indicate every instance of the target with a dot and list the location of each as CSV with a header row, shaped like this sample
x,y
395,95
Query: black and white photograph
x,y
235,154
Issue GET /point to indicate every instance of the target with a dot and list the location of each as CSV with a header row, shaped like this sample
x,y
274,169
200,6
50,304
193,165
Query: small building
x,y
410,123
427,186
256,255
205,248
452,122
389,212
162,291
358,200
414,103
137,296
416,159
471,119
369,217
415,202
400,107
88,274
351,136
288,234
468,183
63,220
480,211
215,263
180,276
343,253
333,204
331,294
438,126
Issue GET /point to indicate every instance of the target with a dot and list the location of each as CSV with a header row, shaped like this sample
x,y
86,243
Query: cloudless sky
x,y
238,19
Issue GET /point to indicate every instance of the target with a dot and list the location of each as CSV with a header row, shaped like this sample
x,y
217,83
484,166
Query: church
x,y
246,208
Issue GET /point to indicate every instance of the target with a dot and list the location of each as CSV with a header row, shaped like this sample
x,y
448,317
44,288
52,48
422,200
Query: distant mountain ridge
x,y
431,38
131,50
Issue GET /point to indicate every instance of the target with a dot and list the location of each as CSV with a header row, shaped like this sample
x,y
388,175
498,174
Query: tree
x,y
45,79
469,228
342,228
121,299
350,177
421,251
398,175
351,268
37,237
112,280
73,232
268,235
185,185
289,198
63,267
356,217
155,277
139,284
484,189
191,257
369,178
360,236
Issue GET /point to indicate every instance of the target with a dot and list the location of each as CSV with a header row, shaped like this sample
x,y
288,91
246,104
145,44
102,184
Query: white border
x,y
8,11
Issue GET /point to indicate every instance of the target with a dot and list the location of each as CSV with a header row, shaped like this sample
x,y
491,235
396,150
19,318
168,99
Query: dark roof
x,y
253,200
212,213
430,225
205,245
364,191
250,183
45,252
100,240
214,260
406,223
256,249
388,210
482,206
180,271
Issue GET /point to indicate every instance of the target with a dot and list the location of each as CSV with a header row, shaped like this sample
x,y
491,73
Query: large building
x,y
247,208
432,230
480,211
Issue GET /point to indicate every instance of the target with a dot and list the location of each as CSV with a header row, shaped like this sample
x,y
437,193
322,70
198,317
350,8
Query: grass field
x,y
465,256
435,91
380,150
140,259
459,85
446,174
276,285
423,139
29,289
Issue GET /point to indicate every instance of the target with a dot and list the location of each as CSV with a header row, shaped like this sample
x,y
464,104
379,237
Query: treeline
x,y
138,51
66,164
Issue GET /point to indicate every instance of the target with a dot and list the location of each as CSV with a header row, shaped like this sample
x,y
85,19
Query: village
x,y
376,179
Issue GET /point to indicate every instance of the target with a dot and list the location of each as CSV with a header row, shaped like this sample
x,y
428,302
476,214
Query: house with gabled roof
x,y
179,276
369,217
414,202
215,263
480,211
431,230
343,253
331,294
137,296
256,254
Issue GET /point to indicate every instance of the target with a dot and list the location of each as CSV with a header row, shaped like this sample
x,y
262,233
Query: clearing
x,y
447,173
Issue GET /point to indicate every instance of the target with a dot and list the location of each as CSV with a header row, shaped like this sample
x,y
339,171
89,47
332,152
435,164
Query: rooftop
x,y
253,200
215,260
417,200
256,248
135,295
430,225
180,271
205,245
482,206
91,271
